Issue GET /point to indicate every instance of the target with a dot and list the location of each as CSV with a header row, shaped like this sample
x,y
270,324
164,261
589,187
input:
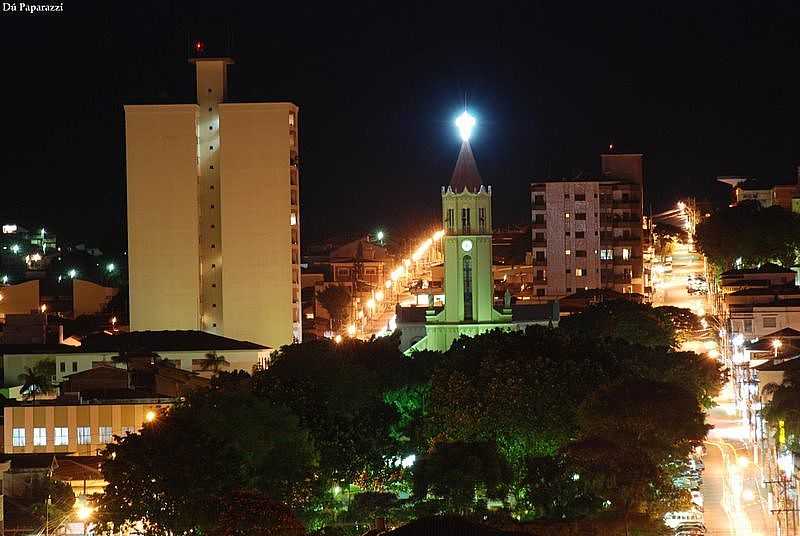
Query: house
x,y
187,350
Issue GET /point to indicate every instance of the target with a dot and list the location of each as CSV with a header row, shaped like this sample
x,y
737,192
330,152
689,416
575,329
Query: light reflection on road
x,y
735,501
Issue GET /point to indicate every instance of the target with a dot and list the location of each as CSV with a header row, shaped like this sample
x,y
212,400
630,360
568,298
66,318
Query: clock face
x,y
466,245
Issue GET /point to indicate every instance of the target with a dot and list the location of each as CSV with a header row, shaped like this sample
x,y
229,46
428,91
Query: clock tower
x,y
467,244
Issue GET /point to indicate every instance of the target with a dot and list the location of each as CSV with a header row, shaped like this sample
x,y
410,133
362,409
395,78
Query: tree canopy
x,y
338,302
754,234
176,473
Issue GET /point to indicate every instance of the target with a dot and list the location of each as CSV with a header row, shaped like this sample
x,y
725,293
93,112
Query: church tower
x,y
467,244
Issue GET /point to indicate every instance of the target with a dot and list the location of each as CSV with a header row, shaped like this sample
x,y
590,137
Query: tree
x,y
175,474
461,473
756,235
252,513
61,499
683,322
784,408
37,380
338,302
661,419
214,362
337,391
633,322
552,491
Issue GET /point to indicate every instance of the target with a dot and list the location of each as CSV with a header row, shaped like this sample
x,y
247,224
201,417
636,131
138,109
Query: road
x,y
734,500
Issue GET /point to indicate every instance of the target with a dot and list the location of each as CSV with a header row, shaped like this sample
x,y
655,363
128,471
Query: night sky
x,y
701,90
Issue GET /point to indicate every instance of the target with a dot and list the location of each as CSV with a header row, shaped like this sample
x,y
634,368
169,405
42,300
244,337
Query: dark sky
x,y
701,89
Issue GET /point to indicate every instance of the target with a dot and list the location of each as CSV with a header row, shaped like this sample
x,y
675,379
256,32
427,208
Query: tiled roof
x,y
535,312
138,341
785,332
766,268
782,290
787,364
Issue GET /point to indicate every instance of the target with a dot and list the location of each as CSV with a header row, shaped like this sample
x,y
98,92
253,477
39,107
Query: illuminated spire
x,y
465,175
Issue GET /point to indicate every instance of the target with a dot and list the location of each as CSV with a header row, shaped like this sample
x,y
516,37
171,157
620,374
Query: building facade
x,y
213,215
53,426
588,234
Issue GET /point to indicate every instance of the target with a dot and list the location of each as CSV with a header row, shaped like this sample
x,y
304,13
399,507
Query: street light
x,y
337,339
351,330
110,267
465,123
150,416
681,206
776,344
379,235
72,273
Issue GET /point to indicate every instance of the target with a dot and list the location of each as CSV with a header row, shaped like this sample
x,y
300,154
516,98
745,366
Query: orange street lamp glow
x,y
150,416
337,339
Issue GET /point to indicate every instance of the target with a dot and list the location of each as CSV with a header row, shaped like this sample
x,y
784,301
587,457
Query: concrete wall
x,y
89,298
784,316
262,301
163,247
19,299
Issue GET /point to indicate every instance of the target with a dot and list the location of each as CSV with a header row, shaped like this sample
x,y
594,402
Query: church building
x,y
467,244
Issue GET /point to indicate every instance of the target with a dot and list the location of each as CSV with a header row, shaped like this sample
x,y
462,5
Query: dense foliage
x,y
754,234
584,420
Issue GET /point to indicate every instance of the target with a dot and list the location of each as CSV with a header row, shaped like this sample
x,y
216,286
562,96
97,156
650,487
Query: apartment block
x,y
588,233
213,214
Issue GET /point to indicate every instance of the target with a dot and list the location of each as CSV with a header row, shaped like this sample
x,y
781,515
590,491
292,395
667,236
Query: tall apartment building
x,y
213,214
587,233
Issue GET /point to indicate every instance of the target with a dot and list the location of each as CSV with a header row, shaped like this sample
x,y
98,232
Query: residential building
x,y
76,427
213,214
186,350
588,233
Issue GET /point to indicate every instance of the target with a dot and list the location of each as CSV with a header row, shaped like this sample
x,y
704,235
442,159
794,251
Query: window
x,y
580,272
62,367
540,292
626,254
569,271
84,435
291,120
482,219
606,254
580,252
580,197
770,322
566,196
566,215
567,252
293,219
61,436
540,256
539,237
747,325
539,218
105,434
40,437
567,233
127,430
579,234
580,215
538,200
465,223
451,218
74,366
467,287
18,437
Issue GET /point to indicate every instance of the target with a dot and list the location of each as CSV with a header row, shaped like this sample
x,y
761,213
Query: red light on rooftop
x,y
199,46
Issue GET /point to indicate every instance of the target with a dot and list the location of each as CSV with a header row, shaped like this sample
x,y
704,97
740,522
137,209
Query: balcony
x,y
539,225
540,281
540,262
540,243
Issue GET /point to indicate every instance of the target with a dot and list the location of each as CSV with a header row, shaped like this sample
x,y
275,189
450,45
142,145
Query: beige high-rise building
x,y
588,233
213,214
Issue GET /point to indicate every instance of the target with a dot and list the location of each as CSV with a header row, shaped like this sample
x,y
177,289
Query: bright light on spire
x,y
465,123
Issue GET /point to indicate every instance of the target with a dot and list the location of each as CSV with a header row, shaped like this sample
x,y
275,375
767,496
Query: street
x,y
735,501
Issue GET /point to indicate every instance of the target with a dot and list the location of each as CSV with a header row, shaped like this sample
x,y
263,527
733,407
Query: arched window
x,y
467,287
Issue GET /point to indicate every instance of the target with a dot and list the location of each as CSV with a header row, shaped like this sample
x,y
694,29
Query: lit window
x,y
310,316
580,272
18,437
291,120
40,437
626,254
105,434
61,436
770,322
293,219
606,254
566,215
567,252
84,435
